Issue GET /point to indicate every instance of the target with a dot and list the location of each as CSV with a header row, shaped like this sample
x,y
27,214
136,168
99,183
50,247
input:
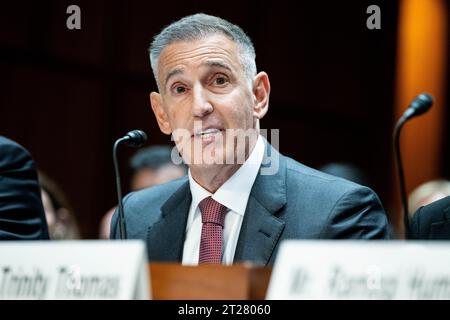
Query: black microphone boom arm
x,y
421,104
135,139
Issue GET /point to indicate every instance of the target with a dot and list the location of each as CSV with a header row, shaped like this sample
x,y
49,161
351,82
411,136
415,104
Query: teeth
x,y
208,132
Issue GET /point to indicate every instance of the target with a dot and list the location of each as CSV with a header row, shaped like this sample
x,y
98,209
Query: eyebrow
x,y
171,74
219,64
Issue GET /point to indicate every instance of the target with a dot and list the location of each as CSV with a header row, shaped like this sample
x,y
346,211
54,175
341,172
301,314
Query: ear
x,y
261,92
160,113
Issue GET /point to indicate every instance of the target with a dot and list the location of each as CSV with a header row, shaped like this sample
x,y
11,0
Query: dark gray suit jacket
x,y
432,221
22,215
295,203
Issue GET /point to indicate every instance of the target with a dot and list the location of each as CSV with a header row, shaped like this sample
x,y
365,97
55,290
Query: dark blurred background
x,y
66,95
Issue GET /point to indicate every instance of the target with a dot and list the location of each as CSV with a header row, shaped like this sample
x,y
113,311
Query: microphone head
x,y
421,104
136,138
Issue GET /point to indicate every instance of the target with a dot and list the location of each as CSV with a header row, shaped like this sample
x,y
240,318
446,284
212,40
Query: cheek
x,y
239,109
177,115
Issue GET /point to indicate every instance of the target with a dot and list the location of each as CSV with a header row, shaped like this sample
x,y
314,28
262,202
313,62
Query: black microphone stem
x,y
122,224
401,176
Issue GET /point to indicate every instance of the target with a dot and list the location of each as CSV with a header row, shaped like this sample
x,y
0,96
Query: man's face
x,y
204,92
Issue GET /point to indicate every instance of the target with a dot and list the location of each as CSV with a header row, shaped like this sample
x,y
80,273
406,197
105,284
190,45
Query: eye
x,y
179,89
220,80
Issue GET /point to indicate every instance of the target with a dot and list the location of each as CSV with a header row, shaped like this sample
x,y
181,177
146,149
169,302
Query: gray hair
x,y
199,26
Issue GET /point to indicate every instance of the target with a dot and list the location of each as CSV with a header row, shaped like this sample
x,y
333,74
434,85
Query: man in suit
x,y
22,216
432,221
241,197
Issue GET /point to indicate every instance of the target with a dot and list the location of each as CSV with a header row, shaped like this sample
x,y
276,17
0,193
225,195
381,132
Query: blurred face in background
x,y
147,177
50,213
57,219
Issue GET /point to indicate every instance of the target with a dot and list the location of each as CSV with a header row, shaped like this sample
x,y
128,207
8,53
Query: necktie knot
x,y
212,211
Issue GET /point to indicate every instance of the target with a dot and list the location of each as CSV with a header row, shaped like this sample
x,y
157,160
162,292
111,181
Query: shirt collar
x,y
234,193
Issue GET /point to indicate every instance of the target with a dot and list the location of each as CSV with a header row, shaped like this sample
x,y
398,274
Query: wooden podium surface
x,y
236,282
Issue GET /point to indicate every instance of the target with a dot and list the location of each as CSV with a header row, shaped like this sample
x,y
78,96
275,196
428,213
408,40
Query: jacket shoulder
x,y
20,196
143,208
154,196
333,207
300,173
13,155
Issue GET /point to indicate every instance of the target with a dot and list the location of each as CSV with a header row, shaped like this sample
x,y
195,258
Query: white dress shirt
x,y
233,194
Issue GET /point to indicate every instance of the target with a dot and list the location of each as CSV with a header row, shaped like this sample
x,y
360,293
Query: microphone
x,y
421,104
134,139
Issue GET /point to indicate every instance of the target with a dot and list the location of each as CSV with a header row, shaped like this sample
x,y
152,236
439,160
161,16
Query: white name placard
x,y
361,270
73,270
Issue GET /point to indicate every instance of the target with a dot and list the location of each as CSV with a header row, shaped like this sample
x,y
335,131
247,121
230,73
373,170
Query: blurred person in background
x,y
150,166
62,224
429,209
427,193
21,212
432,222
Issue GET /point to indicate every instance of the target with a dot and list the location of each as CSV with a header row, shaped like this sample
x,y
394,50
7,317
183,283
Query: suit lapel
x,y
165,238
261,229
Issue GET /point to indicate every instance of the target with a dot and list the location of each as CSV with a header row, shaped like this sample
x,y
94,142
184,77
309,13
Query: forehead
x,y
184,54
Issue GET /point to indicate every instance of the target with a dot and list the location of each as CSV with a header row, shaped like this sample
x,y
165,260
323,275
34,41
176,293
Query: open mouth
x,y
207,133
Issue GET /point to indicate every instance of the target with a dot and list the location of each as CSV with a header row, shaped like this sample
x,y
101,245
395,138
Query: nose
x,y
201,105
